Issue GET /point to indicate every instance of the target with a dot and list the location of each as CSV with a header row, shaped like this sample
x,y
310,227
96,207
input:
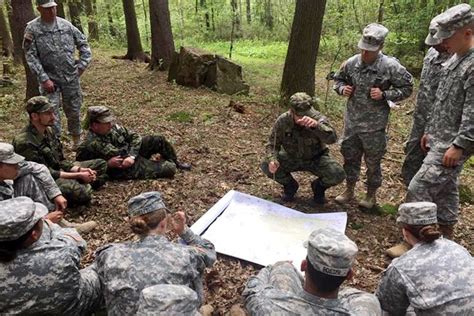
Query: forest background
x,y
224,136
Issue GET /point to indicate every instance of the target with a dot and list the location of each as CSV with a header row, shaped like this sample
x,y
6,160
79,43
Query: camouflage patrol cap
x,y
145,203
100,114
38,104
46,3
168,299
8,155
330,251
373,36
18,216
454,19
302,104
417,213
430,39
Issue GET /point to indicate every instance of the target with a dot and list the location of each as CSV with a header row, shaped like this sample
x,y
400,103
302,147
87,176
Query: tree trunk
x,y
60,9
206,14
134,44
249,14
268,14
75,14
22,13
235,14
300,62
381,11
110,19
5,38
16,38
91,20
162,44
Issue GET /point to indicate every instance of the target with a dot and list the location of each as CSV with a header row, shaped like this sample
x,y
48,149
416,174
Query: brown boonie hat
x,y
100,114
302,104
38,104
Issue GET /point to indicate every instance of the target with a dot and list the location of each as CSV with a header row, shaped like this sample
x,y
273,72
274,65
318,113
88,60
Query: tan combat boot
x,y
398,250
81,228
347,195
370,199
206,310
447,231
76,141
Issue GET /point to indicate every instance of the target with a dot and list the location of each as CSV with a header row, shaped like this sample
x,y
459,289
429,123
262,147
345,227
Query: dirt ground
x,y
225,148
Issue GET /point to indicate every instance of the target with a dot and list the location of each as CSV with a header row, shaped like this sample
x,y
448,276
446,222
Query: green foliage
x,y
465,194
389,209
181,116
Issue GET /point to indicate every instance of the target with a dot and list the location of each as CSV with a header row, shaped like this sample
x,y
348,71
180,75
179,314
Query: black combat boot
x,y
318,190
183,166
289,191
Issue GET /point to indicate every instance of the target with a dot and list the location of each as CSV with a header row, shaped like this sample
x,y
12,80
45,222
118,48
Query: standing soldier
x,y
371,80
429,81
298,142
49,43
449,134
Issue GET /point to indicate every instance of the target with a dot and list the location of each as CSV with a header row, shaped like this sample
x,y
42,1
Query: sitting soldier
x,y
40,264
154,259
280,289
298,143
37,142
25,178
127,153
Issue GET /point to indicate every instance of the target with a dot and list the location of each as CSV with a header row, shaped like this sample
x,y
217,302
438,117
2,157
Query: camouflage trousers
x,y
326,168
370,145
438,184
71,95
29,186
144,167
414,155
77,193
90,297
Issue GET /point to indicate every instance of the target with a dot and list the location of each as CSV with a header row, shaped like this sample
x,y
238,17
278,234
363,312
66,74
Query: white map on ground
x,y
260,231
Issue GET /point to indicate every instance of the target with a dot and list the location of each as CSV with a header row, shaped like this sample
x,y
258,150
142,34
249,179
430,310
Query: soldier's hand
x,y
307,121
128,162
348,90
424,143
115,162
178,221
55,216
48,86
452,156
61,203
376,94
86,177
273,166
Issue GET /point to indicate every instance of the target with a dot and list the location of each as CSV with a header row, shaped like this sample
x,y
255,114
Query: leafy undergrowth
x,y
225,148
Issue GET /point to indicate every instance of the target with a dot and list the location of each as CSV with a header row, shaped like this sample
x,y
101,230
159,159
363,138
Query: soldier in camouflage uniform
x,y
429,81
298,143
49,44
435,277
449,135
127,153
36,142
154,259
280,289
371,80
168,299
40,264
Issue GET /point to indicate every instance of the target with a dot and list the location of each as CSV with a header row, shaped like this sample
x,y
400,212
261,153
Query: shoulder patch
x,y
28,36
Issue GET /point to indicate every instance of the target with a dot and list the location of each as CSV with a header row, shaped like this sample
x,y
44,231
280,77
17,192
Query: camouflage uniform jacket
x,y
50,52
44,149
452,119
45,278
363,114
40,172
292,141
110,145
426,277
287,296
429,81
126,269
